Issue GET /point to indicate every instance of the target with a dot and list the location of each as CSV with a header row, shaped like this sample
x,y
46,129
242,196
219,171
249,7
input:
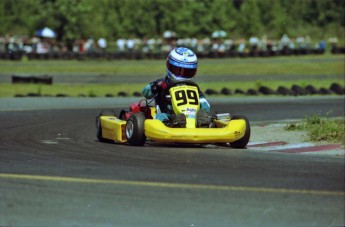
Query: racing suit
x,y
159,89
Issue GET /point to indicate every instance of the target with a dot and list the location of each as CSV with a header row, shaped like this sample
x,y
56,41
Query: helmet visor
x,y
182,72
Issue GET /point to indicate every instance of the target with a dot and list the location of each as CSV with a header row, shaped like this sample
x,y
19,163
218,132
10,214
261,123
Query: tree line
x,y
113,19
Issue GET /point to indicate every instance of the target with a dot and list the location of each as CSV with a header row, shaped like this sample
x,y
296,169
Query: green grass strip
x,y
291,65
321,129
101,90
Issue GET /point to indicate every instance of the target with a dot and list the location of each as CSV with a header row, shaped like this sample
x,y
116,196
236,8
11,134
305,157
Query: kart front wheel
x,y
135,129
242,143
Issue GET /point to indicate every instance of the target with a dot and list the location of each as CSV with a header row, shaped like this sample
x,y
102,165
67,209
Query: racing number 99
x,y
186,96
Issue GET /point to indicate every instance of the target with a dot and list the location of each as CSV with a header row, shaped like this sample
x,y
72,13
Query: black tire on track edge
x,y
242,143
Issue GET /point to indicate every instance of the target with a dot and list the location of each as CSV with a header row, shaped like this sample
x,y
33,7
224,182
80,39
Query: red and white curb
x,y
298,148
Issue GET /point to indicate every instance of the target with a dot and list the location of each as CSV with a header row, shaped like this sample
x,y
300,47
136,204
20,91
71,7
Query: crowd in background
x,y
14,47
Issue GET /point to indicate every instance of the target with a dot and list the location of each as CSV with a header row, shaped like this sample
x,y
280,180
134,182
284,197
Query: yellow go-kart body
x,y
185,99
225,131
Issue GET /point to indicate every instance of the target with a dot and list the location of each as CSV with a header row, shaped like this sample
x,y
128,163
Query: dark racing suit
x,y
159,89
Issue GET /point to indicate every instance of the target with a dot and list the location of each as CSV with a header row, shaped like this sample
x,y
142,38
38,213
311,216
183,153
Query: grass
x,y
274,84
101,90
292,65
73,90
303,65
250,73
321,129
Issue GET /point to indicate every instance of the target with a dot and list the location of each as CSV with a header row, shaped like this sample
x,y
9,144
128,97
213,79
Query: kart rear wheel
x,y
99,126
242,143
135,129
122,115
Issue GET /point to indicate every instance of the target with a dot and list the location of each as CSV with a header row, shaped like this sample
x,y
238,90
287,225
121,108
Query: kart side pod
x,y
113,129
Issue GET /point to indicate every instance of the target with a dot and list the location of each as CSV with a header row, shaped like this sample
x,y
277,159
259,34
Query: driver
x,y
182,64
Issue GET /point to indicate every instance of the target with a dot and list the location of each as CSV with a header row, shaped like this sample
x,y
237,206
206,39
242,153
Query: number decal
x,y
189,96
192,96
181,97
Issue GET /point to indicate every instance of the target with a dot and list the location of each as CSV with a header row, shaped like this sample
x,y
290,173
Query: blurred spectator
x,y
241,46
169,41
121,44
169,35
81,45
200,48
228,44
89,45
322,46
130,44
291,44
307,42
27,46
34,42
218,47
152,44
263,43
78,46
334,43
102,44
145,46
207,43
300,42
284,44
43,47
253,42
193,43
11,44
151,47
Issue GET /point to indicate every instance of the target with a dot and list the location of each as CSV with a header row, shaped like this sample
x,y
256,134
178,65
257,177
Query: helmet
x,y
182,64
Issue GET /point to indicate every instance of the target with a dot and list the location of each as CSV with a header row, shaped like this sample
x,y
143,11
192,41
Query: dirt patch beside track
x,y
274,132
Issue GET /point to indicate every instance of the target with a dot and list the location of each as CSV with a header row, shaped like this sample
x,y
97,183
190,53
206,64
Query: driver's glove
x,y
159,86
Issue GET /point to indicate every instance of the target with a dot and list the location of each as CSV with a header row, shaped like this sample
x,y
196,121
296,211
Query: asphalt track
x,y
53,172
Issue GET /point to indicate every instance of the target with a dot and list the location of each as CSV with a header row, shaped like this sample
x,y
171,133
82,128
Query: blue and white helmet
x,y
182,64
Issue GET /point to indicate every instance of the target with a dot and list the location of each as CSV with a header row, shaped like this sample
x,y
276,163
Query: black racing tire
x,y
99,126
242,143
122,115
135,129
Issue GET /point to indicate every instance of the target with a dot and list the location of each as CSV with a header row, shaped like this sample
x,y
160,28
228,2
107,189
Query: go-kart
x,y
138,124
